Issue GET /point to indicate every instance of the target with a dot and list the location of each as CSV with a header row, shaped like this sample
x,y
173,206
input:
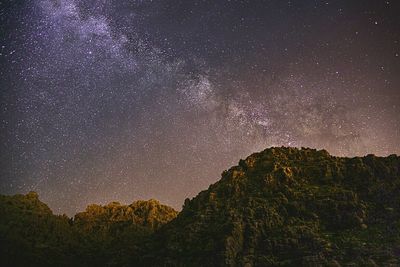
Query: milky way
x,y
125,100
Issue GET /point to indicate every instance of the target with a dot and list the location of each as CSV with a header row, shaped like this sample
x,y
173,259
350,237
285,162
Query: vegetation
x,y
279,207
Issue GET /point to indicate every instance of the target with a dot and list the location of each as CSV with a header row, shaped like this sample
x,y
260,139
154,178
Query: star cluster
x,y
124,100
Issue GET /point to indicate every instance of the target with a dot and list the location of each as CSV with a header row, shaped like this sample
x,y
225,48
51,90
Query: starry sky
x,y
106,100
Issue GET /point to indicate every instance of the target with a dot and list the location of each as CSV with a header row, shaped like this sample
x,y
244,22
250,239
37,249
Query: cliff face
x,y
290,207
149,214
279,207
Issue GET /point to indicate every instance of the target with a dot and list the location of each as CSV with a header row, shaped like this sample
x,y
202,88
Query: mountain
x,y
110,235
30,235
114,234
279,207
290,207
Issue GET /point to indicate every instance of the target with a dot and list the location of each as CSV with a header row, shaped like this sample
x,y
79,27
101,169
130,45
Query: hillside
x,y
290,207
110,235
114,234
278,207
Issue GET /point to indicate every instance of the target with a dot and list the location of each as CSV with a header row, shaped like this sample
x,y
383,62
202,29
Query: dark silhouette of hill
x,y
110,235
30,235
279,207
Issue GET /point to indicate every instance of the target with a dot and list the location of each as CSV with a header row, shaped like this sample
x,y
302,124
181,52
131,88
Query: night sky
x,y
106,100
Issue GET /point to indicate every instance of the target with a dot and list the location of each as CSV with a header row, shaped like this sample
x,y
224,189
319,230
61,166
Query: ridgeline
x,y
278,207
